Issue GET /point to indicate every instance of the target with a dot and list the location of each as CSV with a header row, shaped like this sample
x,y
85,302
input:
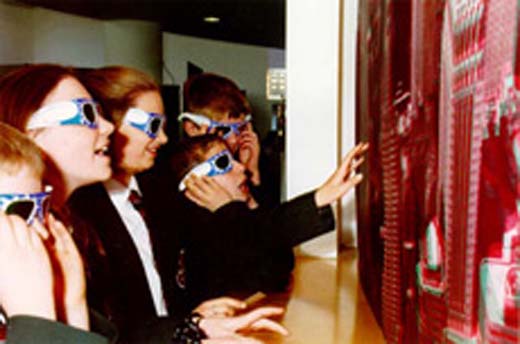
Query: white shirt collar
x,y
119,191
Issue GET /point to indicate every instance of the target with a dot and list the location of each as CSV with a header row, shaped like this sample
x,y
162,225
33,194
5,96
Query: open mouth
x,y
244,187
103,151
152,151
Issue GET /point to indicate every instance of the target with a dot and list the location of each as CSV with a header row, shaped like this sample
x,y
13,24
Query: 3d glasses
x,y
80,111
148,122
218,164
224,130
26,205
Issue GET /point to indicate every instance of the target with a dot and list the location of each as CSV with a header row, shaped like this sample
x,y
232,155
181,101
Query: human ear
x,y
192,129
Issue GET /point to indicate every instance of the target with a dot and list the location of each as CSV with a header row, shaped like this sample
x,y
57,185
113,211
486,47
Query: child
x,y
27,291
135,225
57,112
234,249
215,104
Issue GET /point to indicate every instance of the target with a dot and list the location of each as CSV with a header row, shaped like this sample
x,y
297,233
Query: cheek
x,y
134,154
228,182
65,155
129,154
66,141
223,181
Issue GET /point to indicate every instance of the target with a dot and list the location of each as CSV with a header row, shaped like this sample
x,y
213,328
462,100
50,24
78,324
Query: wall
x,y
67,39
134,43
348,114
16,44
32,34
312,102
245,64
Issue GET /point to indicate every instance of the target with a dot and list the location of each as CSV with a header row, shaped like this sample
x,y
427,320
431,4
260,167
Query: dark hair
x,y
116,88
190,152
18,150
23,90
214,96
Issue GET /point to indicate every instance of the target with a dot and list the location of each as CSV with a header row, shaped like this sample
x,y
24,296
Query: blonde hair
x,y
116,88
17,150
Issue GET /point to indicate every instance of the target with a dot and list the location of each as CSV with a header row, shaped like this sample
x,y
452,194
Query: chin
x,y
146,167
106,174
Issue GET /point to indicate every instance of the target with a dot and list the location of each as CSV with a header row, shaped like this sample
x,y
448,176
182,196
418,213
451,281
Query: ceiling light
x,y
212,20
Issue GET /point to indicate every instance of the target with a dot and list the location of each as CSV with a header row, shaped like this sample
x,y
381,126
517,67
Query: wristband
x,y
189,332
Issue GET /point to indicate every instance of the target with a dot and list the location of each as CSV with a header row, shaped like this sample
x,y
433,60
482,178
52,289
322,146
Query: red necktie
x,y
137,202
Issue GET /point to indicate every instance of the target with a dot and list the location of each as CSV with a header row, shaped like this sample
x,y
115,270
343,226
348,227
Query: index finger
x,y
354,153
228,301
40,229
263,312
195,184
270,325
6,230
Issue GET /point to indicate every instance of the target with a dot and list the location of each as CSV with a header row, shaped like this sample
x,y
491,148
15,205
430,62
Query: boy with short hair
x,y
215,104
239,248
27,291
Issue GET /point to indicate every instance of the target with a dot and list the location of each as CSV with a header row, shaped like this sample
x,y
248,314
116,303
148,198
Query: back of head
x,y
23,90
116,88
215,97
17,150
190,152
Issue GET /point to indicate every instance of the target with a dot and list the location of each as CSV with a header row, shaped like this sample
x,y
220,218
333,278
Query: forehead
x,y
215,148
68,88
25,179
227,120
150,101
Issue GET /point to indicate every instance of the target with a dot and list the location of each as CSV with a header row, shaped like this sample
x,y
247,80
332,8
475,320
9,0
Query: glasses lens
x,y
23,209
222,162
89,112
222,131
155,125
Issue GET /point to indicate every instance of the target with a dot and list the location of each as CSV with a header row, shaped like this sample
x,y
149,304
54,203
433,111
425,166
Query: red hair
x,y
23,90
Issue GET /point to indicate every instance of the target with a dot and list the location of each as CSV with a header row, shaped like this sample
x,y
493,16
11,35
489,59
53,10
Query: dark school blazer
x,y
236,251
117,285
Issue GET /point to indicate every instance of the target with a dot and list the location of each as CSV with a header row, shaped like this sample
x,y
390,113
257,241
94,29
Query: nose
x,y
232,142
162,138
105,127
